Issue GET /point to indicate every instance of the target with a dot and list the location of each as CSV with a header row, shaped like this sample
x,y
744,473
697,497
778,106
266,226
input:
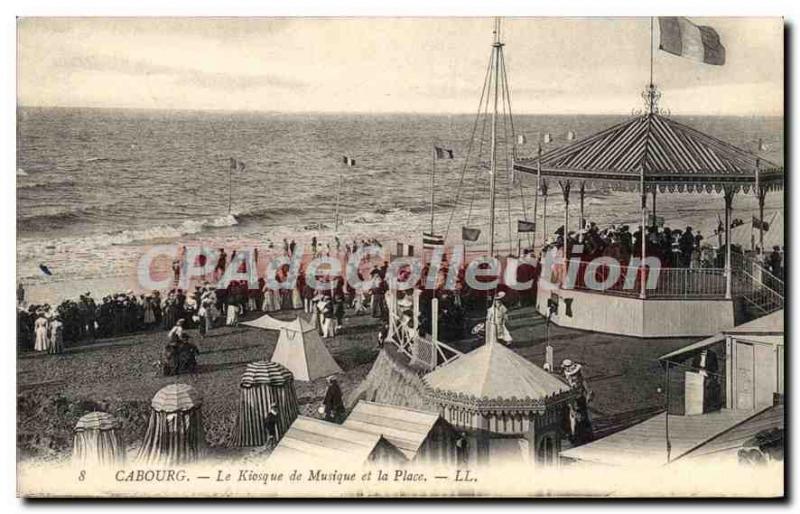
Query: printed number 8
x,y
82,476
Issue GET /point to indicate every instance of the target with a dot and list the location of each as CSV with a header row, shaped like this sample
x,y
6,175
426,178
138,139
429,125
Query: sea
x,y
97,187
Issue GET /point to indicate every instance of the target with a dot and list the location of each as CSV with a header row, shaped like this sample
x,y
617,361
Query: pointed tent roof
x,y
317,440
494,375
404,427
300,348
672,155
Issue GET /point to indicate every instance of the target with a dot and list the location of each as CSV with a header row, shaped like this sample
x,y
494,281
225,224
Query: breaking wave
x,y
45,185
124,237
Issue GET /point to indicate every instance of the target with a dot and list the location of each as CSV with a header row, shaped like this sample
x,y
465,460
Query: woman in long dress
x,y
41,329
56,336
297,297
149,312
232,319
270,300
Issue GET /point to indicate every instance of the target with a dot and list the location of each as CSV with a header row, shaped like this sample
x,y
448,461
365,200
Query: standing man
x,y
271,424
20,295
333,404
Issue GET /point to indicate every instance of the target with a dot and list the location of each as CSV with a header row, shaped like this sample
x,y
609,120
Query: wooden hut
x,y
312,440
509,409
264,384
421,436
97,442
175,431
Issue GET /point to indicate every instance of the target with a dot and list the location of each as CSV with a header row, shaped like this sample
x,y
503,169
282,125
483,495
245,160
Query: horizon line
x,y
360,112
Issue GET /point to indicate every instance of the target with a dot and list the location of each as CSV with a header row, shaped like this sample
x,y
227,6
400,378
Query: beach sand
x,y
119,376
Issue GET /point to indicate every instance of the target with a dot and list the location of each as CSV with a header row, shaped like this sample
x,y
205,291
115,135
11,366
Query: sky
x,y
380,65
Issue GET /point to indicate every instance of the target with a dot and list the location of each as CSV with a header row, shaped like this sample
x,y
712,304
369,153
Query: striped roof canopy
x,y
96,421
672,156
176,397
266,373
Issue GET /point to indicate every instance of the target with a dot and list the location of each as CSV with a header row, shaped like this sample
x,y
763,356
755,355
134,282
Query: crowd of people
x,y
675,248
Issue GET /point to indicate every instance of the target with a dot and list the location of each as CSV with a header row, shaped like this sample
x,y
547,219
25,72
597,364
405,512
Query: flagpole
x,y
230,186
497,46
433,184
538,186
338,195
651,50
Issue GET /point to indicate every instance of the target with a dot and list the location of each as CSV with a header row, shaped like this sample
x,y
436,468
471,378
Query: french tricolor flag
x,y
681,37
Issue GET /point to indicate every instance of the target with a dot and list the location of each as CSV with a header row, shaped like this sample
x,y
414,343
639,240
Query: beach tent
x,y
175,431
311,440
300,348
421,436
97,442
747,237
263,385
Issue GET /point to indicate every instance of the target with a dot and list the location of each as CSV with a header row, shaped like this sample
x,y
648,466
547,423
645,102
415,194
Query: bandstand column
x,y
565,188
762,196
544,211
654,207
728,274
643,269
582,222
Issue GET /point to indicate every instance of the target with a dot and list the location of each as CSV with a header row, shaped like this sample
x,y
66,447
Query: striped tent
x,y
672,156
96,441
263,384
175,431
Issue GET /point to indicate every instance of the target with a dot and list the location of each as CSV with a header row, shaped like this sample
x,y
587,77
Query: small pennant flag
x,y
443,153
237,165
681,37
521,140
760,225
525,226
470,234
431,240
348,161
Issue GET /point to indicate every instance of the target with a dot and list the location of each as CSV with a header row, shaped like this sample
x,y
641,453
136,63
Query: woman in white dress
x,y
56,336
42,330
232,319
297,297
271,303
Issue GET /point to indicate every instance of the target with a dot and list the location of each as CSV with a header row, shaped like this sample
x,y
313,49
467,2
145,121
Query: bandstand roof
x,y
673,156
493,375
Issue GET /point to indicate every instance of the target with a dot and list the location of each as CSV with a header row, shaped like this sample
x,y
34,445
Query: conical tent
x,y
264,384
300,348
175,431
96,441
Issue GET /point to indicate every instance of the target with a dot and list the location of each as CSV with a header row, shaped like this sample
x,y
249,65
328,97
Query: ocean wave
x,y
45,185
107,159
21,172
124,237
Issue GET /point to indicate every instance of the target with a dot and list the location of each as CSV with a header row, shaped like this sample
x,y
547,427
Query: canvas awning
x,y
405,428
767,329
672,156
317,440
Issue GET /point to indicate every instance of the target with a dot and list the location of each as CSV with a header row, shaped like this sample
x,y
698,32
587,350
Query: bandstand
x,y
650,154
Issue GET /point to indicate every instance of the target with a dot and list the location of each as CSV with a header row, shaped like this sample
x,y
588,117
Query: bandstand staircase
x,y
761,291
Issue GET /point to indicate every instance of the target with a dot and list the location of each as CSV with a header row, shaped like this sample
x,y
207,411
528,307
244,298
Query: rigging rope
x,y
469,149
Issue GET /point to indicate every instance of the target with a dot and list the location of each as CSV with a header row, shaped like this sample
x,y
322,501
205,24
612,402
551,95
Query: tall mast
x,y
496,56
433,184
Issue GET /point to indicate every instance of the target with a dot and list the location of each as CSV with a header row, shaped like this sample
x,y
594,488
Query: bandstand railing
x,y
660,282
